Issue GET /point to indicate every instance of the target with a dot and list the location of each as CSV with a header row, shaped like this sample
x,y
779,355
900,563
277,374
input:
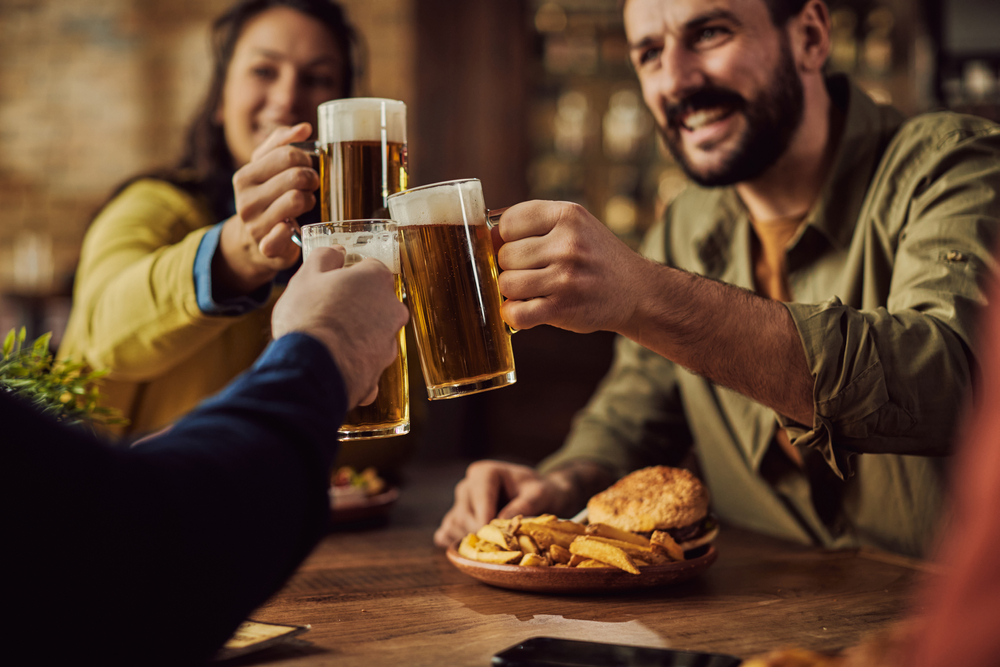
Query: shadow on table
x,y
613,607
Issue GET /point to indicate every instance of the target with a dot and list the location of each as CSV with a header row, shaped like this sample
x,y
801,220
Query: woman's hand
x,y
275,187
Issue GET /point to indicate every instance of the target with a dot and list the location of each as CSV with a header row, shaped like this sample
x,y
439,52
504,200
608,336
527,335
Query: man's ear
x,y
809,36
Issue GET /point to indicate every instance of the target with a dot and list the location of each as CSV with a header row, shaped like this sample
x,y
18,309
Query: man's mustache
x,y
704,98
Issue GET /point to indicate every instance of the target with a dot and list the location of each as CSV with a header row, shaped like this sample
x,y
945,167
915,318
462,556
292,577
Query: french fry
x,y
559,554
545,536
499,557
550,521
606,553
664,543
604,530
474,548
590,562
575,560
528,545
635,551
467,547
533,560
497,536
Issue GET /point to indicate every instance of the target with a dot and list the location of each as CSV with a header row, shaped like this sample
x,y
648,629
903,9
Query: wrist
x,y
576,482
233,269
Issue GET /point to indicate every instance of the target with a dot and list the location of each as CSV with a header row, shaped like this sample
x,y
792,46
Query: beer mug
x,y
389,414
362,141
450,271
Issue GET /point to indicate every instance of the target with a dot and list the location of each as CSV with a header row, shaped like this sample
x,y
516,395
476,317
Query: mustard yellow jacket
x,y
135,312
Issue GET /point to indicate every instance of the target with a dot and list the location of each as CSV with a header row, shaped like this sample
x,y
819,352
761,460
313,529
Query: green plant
x,y
63,389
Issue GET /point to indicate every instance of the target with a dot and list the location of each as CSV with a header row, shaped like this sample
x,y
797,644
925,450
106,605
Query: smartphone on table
x,y
553,652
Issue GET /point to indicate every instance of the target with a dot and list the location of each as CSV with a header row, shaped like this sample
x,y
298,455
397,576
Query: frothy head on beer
x,y
451,202
365,238
362,119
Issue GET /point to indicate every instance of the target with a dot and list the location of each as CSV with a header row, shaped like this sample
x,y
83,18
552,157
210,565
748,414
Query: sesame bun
x,y
656,498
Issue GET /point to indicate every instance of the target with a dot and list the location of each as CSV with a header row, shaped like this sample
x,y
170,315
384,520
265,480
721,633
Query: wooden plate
x,y
586,580
370,508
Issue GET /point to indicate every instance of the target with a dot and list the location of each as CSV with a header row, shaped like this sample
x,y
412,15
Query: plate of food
x,y
360,496
651,528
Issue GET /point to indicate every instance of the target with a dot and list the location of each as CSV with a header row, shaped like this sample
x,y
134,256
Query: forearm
x,y
578,481
184,535
735,338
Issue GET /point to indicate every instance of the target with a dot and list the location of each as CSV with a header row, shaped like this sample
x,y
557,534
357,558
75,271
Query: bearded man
x,y
804,314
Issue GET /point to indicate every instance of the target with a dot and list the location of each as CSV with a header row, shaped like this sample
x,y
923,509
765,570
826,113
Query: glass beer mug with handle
x,y
450,271
389,414
362,141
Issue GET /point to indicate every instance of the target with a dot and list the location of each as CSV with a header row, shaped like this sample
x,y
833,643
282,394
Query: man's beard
x,y
772,119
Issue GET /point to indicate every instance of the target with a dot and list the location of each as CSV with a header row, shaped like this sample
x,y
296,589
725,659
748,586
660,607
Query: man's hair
x,y
782,10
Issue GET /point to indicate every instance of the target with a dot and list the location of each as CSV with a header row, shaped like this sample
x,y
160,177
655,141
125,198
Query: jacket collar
x,y
867,129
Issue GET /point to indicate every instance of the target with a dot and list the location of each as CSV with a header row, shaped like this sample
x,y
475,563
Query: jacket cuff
x,y
849,384
203,289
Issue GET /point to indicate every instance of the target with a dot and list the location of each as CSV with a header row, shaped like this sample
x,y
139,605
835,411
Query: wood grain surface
x,y
385,595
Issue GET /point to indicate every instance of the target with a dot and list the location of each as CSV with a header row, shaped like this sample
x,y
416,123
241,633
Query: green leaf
x,y
8,344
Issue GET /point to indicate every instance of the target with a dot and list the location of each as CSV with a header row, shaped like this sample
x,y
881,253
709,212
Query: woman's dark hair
x,y
206,166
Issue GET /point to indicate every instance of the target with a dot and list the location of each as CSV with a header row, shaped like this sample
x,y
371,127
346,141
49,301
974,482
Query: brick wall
x,y
92,91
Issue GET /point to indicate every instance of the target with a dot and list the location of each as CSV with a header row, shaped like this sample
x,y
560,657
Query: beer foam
x,y
362,119
381,245
454,202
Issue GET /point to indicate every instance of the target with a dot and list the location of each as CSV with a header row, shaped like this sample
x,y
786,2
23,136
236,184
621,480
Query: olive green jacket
x,y
887,272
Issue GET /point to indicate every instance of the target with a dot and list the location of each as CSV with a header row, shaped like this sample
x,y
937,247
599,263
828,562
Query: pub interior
x,y
538,100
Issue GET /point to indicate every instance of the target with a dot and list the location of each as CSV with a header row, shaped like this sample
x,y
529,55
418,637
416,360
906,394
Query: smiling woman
x,y
179,270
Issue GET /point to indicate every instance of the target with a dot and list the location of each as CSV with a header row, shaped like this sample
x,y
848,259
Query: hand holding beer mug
x,y
450,272
389,414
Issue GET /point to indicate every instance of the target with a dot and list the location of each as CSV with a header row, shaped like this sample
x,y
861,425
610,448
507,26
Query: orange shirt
x,y
770,274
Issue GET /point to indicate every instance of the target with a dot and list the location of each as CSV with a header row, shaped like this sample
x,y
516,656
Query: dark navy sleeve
x,y
153,555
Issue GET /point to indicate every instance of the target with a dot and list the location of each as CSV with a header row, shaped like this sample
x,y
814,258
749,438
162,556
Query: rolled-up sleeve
x,y
893,379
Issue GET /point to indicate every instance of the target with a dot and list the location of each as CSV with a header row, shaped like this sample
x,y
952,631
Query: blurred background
x,y
535,98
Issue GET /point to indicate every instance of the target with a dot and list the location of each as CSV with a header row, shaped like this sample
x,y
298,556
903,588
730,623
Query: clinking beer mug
x,y
389,414
450,271
362,145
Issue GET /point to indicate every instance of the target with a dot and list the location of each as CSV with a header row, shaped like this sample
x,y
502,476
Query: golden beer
x,y
363,157
356,177
450,270
389,413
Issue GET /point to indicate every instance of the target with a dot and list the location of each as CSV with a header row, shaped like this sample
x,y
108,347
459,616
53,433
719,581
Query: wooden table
x,y
386,595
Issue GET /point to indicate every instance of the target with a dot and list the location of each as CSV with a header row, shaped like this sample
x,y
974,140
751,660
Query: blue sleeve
x,y
179,538
203,282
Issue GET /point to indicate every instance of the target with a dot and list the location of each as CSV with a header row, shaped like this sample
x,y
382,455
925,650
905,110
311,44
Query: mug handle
x,y
492,220
312,148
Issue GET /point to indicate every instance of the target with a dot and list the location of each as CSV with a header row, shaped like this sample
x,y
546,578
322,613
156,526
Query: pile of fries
x,y
545,541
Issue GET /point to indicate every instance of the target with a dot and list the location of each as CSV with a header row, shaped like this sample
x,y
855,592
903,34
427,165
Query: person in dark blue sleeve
x,y
154,554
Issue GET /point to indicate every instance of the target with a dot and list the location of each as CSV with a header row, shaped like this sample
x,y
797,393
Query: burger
x,y
671,500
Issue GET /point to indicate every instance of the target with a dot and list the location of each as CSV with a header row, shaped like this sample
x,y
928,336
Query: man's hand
x,y
353,311
477,496
275,187
561,266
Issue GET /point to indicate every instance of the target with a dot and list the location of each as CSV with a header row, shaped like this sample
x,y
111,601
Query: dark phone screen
x,y
552,652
